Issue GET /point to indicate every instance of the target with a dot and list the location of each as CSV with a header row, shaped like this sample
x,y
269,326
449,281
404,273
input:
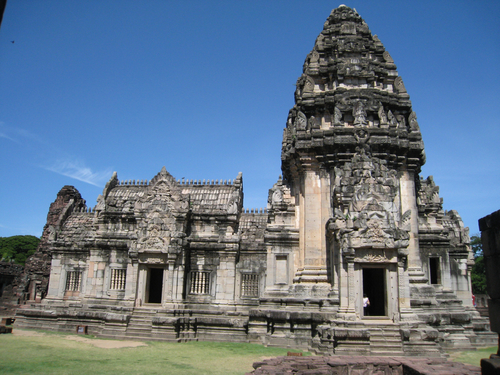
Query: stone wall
x,y
10,277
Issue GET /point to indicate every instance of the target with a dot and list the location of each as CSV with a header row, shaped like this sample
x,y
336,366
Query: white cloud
x,y
44,151
3,135
76,169
4,132
13,134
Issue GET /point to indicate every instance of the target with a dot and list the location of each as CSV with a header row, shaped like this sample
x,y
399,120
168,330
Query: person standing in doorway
x,y
366,305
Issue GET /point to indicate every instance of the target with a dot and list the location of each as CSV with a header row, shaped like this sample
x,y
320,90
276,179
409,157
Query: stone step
x,y
138,332
145,321
385,333
386,345
140,322
395,335
385,338
385,342
132,324
383,353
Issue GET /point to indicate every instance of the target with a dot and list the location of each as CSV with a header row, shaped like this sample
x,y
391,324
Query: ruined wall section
x,y
33,285
10,277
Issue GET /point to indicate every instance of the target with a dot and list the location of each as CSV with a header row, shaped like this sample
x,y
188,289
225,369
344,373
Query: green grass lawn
x,y
473,357
54,354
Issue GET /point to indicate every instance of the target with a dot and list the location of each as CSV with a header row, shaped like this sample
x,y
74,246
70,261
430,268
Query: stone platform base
x,y
339,365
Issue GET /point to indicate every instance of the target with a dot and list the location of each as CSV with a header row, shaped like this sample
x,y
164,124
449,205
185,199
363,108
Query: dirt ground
x,y
104,344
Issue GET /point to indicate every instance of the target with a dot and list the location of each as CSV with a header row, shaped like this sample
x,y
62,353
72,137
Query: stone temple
x,y
168,259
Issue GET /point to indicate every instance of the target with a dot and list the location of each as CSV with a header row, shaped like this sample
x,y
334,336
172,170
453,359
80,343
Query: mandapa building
x,y
350,219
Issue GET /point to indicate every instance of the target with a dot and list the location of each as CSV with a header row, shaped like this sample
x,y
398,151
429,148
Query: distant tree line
x,y
17,249
478,274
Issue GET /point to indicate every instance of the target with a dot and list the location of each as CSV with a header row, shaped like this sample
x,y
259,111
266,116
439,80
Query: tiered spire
x,y
349,97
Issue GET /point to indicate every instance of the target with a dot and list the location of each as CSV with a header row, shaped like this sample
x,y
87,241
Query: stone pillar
x,y
351,285
490,237
347,288
409,202
55,278
314,204
177,278
403,285
312,243
141,285
132,276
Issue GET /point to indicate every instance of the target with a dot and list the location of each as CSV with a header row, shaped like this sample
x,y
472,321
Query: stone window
x,y
434,270
200,282
73,281
118,277
250,285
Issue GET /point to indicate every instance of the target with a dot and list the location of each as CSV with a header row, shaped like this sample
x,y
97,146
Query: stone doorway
x,y
375,288
155,285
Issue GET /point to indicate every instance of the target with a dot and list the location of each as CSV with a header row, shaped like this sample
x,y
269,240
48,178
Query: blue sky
x,y
204,88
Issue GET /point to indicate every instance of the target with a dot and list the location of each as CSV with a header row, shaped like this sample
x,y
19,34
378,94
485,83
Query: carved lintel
x,y
375,256
146,258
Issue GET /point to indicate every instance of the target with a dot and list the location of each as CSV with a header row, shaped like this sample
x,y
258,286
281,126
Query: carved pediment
x,y
365,205
165,194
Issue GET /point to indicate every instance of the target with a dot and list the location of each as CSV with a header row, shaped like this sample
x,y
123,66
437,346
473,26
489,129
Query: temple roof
x,y
350,95
207,196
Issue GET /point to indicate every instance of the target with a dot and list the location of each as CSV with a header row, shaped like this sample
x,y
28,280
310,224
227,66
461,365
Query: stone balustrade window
x,y
118,278
200,282
249,285
73,281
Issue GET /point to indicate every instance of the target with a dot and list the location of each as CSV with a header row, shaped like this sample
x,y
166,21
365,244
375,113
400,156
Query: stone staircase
x,y
139,326
385,338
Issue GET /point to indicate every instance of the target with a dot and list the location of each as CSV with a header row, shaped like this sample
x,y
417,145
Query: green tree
x,y
17,248
478,273
476,245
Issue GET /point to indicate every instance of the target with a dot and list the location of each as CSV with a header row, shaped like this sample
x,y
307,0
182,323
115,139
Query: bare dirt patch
x,y
107,344
18,332
103,344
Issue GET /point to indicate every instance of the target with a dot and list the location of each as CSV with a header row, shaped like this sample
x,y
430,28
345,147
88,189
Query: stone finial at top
x,y
239,178
163,175
113,181
344,12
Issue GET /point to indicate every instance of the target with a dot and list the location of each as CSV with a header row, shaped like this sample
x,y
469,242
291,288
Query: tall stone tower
x,y
351,154
353,217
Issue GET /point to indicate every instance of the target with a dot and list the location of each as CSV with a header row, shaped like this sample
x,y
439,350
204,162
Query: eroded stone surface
x,y
362,365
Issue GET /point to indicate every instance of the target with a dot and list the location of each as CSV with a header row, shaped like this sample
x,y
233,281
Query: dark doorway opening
x,y
435,272
155,286
375,289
